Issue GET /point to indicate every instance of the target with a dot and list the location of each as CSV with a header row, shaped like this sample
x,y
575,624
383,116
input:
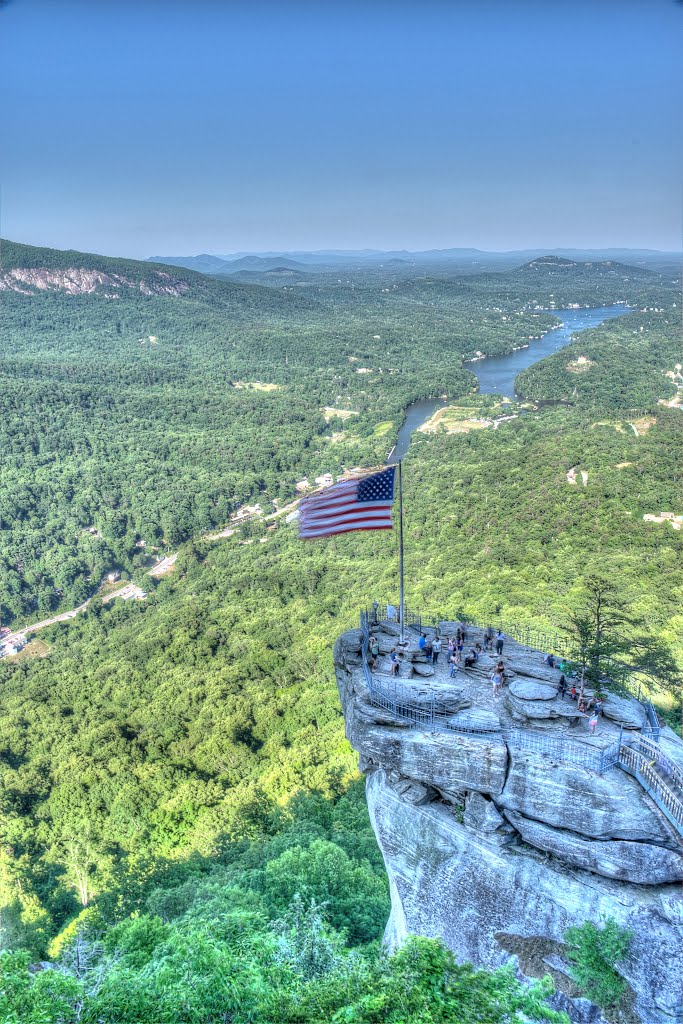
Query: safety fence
x,y
657,774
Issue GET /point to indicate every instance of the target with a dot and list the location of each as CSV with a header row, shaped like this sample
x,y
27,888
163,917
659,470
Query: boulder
x,y
530,664
422,670
564,795
530,689
415,793
481,814
626,711
448,761
522,709
628,861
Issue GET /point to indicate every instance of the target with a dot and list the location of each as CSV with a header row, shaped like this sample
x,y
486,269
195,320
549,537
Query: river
x,y
497,374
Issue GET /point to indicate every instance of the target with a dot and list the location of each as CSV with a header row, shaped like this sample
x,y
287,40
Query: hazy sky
x,y
145,127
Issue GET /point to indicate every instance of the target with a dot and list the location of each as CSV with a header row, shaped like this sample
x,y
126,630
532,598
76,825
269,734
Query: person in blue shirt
x,y
422,642
393,658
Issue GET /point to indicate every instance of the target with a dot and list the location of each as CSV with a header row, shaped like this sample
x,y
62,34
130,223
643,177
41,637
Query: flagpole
x,y
402,608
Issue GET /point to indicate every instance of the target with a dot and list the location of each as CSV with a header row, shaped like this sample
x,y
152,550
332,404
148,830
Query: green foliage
x,y
594,952
179,808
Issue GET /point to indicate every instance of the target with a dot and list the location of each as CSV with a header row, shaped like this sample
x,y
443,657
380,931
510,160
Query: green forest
x,y
183,825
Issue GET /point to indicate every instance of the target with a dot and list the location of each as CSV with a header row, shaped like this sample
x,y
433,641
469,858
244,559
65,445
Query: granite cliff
x,y
503,821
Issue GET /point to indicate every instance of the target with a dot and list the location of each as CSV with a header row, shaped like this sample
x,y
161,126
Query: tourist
x,y
496,682
500,669
375,606
459,646
454,661
549,660
463,630
488,638
592,722
572,693
422,642
436,650
451,647
374,651
500,640
391,613
471,659
478,648
563,685
459,634
393,658
599,706
428,650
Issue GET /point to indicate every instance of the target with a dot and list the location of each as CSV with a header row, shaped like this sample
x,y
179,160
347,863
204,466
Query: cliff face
x,y
80,281
498,848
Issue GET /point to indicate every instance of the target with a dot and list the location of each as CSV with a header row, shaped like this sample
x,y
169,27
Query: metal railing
x,y
662,788
653,727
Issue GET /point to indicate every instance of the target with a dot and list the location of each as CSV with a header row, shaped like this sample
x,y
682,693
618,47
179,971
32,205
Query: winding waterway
x,y
497,374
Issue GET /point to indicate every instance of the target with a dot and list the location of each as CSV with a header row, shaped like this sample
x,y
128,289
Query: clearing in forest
x,y
580,365
254,385
344,414
642,425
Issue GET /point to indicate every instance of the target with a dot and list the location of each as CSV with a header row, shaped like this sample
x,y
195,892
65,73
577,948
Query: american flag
x,y
363,503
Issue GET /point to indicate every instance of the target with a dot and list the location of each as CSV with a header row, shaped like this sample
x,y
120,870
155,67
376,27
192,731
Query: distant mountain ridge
x,y
463,258
561,266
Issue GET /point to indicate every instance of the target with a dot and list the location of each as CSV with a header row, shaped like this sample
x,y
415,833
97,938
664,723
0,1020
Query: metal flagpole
x,y
402,607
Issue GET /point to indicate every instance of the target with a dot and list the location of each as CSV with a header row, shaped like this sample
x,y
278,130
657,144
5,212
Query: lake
x,y
497,374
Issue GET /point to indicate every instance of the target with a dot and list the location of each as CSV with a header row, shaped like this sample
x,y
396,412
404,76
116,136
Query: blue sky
x,y
143,127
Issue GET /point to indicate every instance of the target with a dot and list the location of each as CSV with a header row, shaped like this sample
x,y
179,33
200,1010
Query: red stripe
x,y
344,510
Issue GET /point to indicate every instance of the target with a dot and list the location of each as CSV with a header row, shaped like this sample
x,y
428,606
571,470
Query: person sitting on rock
x,y
478,648
422,642
572,693
549,660
471,659
393,658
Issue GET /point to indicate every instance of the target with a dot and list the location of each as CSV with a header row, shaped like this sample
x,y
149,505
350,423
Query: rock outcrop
x,y
490,842
81,281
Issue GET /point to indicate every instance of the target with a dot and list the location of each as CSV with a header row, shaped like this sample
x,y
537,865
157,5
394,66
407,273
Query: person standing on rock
x,y
563,685
374,651
436,650
454,660
500,640
496,681
393,658
375,606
